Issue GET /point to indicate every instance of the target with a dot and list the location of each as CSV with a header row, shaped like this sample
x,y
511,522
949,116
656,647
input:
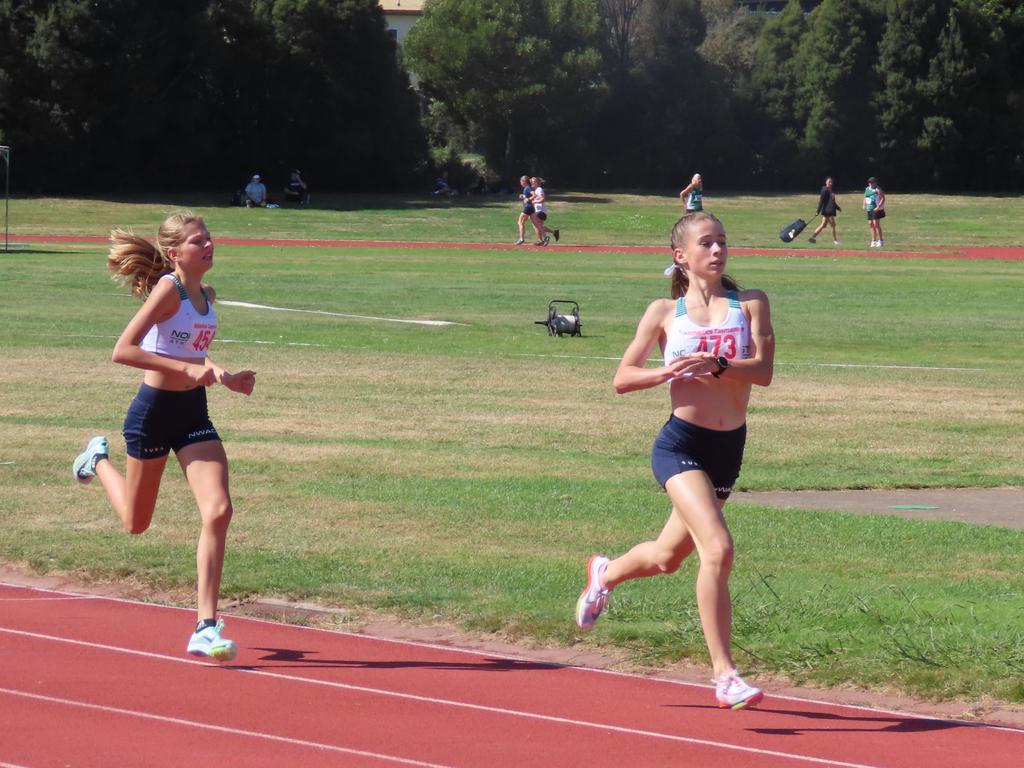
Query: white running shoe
x,y
84,467
835,242
594,598
520,241
874,244
733,693
207,642
881,243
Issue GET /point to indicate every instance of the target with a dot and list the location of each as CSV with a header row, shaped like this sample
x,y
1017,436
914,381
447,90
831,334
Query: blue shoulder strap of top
x,y
182,293
731,295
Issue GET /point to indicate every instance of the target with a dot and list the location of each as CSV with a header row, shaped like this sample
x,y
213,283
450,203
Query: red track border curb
x,y
968,253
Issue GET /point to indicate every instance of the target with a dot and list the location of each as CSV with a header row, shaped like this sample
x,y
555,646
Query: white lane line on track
x,y
795,365
443,702
249,305
12,765
47,600
218,728
512,657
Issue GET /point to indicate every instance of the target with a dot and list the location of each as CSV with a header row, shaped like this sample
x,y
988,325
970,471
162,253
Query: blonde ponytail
x,y
139,263
135,261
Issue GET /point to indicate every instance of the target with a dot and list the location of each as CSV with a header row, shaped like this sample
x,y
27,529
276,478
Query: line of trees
x,y
129,95
645,92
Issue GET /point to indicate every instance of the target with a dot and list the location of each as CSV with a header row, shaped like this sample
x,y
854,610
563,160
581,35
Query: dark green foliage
x,y
836,75
510,74
127,95
776,80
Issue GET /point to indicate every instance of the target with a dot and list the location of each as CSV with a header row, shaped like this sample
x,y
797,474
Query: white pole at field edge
x,y
6,152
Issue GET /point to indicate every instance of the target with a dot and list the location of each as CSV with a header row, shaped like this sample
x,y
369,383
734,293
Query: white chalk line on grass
x,y
807,365
587,724
217,728
249,305
219,341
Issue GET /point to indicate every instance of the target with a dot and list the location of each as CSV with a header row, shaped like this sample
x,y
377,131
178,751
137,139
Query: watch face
x,y
723,362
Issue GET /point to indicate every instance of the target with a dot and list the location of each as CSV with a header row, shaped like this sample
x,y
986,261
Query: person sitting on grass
x,y
255,193
296,190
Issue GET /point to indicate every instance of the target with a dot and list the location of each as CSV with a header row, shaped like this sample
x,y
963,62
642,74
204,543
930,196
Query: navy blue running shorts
x,y
160,421
683,447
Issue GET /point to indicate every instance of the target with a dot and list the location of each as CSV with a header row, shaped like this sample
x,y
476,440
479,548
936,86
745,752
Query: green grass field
x,y
463,473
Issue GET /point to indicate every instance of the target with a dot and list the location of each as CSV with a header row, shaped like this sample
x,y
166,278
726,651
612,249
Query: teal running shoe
x,y
84,468
208,643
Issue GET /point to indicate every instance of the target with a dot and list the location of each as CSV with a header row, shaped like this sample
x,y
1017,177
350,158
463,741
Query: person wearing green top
x,y
692,194
874,205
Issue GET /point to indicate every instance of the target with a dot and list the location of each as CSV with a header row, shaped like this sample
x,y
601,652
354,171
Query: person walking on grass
x,y
540,214
168,338
874,206
526,198
717,342
827,209
692,194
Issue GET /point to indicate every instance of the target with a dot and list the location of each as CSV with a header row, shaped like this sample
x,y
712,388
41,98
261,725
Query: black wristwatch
x,y
723,363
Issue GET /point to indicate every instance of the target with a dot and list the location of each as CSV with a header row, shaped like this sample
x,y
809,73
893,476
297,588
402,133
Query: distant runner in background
x,y
540,214
526,198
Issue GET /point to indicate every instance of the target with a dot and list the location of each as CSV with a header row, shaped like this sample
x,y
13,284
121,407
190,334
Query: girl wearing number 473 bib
x,y
168,338
717,342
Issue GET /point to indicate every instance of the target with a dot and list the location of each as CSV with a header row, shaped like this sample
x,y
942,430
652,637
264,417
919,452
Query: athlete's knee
x,y
717,554
135,518
218,515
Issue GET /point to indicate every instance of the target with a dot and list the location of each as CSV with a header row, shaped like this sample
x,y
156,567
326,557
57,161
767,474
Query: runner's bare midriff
x,y
711,403
174,381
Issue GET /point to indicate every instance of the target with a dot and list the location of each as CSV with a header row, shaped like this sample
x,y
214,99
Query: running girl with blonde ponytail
x,y
169,338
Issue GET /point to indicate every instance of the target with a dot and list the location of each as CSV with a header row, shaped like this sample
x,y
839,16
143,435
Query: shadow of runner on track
x,y
307,660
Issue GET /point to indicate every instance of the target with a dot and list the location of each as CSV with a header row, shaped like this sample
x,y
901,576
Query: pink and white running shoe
x,y
594,597
733,693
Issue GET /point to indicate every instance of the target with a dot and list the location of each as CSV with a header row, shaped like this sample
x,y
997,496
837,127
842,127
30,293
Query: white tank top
x,y
186,333
539,192
729,339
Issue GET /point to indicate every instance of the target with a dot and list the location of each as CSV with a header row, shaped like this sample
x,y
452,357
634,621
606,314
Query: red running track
x,y
92,681
969,253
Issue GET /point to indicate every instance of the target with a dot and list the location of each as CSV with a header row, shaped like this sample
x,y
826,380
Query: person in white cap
x,y
255,193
